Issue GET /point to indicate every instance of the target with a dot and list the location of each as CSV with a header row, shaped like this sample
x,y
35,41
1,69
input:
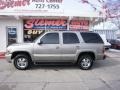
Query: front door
x,y
49,49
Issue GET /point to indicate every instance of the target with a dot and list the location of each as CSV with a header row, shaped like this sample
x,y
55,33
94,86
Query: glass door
x,y
11,35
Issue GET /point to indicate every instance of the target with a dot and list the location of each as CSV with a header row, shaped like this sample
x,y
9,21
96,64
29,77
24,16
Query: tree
x,y
109,8
114,12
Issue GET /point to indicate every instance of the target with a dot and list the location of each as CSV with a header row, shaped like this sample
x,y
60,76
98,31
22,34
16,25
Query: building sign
x,y
45,24
31,6
47,8
79,25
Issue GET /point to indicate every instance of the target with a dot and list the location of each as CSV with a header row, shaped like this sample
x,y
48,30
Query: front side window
x,y
70,38
50,38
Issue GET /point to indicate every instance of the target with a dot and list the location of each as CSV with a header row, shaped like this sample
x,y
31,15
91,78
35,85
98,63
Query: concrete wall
x,y
3,35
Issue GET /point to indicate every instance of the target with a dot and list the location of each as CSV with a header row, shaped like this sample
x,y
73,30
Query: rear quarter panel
x,y
97,49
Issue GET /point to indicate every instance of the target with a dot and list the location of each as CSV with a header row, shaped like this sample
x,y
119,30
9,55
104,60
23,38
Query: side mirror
x,y
41,42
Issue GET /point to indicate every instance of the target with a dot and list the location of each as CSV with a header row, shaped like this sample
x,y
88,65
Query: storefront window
x,y
35,27
31,35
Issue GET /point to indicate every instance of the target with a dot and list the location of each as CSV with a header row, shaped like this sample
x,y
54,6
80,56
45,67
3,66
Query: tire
x,y
22,62
85,62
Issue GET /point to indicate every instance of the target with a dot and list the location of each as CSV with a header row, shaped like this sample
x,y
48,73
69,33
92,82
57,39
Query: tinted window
x,y
70,38
50,38
91,37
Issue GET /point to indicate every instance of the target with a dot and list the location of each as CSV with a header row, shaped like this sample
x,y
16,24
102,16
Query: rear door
x,y
69,47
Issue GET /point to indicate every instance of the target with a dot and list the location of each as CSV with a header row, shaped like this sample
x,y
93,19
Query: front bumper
x,y
8,57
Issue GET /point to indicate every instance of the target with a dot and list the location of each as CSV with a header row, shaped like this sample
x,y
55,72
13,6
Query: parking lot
x,y
105,75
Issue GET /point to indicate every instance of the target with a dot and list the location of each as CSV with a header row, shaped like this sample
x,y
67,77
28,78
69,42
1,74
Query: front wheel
x,y
85,62
22,61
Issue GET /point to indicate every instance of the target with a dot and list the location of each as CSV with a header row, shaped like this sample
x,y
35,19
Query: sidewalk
x,y
114,50
113,53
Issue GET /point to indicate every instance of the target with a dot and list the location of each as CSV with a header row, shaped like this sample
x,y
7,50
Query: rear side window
x,y
70,38
91,37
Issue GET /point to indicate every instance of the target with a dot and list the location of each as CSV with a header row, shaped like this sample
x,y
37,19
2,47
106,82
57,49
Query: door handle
x,y
57,47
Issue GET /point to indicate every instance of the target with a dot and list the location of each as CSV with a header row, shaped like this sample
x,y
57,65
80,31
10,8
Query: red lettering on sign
x,y
37,22
82,22
13,3
29,23
48,22
79,24
55,22
43,22
63,23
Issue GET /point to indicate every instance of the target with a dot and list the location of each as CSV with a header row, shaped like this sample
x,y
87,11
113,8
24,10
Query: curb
x,y
2,55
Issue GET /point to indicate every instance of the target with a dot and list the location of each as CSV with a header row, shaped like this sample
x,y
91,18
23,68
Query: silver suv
x,y
81,48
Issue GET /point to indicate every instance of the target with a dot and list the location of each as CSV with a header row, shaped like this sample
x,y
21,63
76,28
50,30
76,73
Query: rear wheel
x,y
85,62
22,62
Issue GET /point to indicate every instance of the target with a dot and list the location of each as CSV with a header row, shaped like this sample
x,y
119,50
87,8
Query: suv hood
x,y
20,47
19,44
